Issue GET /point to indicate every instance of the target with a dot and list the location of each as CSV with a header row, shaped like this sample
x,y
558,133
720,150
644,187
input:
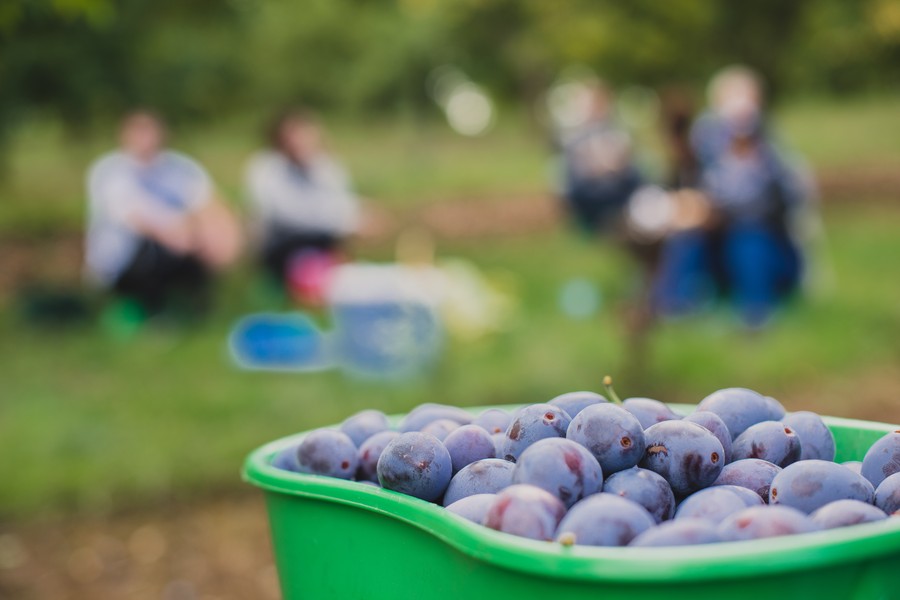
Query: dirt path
x,y
217,549
852,183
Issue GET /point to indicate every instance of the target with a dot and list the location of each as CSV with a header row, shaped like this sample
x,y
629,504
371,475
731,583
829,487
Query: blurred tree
x,y
341,54
75,59
761,34
79,59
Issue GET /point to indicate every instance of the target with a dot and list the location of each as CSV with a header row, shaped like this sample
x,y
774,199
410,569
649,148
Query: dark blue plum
x,y
751,473
370,452
687,455
776,408
440,428
649,412
740,408
424,414
887,494
716,426
469,443
645,487
770,441
562,467
499,440
811,484
287,459
713,504
604,520
883,458
474,508
853,465
364,425
526,511
843,513
765,522
533,423
575,402
487,476
749,497
416,464
816,440
684,532
493,420
612,434
327,452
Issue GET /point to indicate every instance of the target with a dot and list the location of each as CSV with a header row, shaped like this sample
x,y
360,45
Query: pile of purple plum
x,y
581,469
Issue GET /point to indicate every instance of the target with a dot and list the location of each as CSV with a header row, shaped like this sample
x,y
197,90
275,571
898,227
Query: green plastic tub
x,y
340,540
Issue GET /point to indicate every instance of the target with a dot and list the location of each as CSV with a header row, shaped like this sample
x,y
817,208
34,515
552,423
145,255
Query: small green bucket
x,y
340,540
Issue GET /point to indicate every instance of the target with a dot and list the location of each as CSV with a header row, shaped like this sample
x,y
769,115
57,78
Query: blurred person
x,y
677,120
598,168
743,247
735,97
303,204
156,231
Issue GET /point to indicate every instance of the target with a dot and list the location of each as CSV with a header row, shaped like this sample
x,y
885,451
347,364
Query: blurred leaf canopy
x,y
81,59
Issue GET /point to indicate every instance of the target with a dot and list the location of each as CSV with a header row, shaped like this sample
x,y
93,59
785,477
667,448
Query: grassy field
x,y
848,133
90,421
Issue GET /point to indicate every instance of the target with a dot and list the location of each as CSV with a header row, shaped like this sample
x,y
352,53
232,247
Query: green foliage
x,y
338,53
78,59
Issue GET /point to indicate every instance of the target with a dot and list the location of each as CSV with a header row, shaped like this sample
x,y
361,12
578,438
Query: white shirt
x,y
316,199
122,191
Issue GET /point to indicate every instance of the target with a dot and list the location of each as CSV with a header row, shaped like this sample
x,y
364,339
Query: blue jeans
x,y
750,262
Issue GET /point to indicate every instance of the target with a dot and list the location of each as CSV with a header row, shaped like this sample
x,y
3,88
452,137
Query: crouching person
x,y
156,232
303,205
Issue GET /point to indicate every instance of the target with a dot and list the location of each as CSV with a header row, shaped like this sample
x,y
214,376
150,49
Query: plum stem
x,y
607,383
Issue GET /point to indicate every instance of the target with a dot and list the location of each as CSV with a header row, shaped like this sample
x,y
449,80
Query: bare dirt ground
x,y
203,550
851,183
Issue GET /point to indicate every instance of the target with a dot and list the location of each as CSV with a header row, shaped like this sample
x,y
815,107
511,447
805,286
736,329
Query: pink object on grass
x,y
308,275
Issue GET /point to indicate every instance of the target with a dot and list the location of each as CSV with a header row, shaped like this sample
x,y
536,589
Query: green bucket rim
x,y
688,563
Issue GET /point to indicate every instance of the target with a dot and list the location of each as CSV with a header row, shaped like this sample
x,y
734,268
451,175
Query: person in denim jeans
x,y
745,251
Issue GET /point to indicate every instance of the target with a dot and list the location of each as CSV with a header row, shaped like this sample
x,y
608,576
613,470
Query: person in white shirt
x,y
300,196
599,171
155,229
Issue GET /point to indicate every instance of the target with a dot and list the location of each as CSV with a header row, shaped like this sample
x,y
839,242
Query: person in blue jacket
x,y
745,251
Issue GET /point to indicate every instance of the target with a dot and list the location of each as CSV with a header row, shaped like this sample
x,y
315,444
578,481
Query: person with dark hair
x,y
155,229
301,197
677,119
